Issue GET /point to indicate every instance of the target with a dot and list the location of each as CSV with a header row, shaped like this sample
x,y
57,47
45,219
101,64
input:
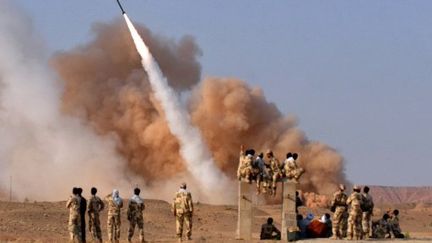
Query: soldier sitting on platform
x,y
244,171
291,170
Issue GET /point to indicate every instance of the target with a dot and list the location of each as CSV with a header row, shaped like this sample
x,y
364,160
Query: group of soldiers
x,y
266,170
352,216
182,208
78,206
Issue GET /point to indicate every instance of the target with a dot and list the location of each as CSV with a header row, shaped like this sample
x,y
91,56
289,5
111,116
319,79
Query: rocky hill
x,y
394,195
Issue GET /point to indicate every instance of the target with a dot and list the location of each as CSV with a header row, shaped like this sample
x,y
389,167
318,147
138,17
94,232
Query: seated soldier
x,y
244,171
381,228
269,231
275,171
394,225
258,171
291,170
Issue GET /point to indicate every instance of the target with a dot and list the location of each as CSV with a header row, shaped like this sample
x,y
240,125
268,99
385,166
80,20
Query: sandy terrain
x,y
47,222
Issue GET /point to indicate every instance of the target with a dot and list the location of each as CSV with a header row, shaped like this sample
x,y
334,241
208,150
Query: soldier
x,y
115,203
394,225
355,201
135,215
291,170
381,228
275,170
339,207
83,208
269,231
95,206
244,171
367,209
259,171
182,208
74,223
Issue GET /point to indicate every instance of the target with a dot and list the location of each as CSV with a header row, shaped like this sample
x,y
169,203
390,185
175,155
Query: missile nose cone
x,y
121,8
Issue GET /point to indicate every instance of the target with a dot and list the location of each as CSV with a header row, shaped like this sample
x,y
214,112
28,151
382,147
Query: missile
x,y
123,12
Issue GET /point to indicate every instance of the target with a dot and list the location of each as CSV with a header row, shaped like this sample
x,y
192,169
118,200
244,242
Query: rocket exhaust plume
x,y
192,147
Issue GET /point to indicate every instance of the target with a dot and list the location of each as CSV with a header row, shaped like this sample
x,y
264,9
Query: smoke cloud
x,y
101,117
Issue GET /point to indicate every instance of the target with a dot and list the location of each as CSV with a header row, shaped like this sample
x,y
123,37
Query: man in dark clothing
x,y
299,202
83,208
269,231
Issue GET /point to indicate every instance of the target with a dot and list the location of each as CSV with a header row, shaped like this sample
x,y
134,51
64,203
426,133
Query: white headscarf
x,y
116,197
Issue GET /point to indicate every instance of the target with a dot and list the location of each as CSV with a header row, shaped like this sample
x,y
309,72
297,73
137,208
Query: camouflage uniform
x,y
355,200
275,172
367,213
183,210
380,229
292,170
244,171
95,206
395,227
340,208
74,224
114,212
135,217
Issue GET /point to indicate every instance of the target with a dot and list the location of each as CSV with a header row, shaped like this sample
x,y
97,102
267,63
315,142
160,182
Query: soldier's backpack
x,y
366,204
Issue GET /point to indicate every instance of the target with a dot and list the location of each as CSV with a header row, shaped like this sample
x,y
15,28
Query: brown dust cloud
x,y
107,89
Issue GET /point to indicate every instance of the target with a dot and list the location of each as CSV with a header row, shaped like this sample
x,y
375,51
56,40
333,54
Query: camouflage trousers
x,y
246,174
338,222
95,227
366,223
74,227
113,228
294,173
275,178
355,224
138,221
185,218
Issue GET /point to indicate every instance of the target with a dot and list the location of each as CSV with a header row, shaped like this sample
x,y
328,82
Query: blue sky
x,y
357,74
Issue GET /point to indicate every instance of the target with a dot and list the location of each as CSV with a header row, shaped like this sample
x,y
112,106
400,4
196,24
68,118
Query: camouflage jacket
x,y
95,205
113,208
135,210
182,202
355,200
74,205
275,166
339,199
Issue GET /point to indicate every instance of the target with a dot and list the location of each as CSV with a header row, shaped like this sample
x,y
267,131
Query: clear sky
x,y
357,74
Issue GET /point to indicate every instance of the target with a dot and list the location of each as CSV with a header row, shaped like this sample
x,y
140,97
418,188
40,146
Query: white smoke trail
x,y
45,152
192,148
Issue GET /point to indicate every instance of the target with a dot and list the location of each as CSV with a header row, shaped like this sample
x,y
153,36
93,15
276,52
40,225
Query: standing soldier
x,y
355,201
74,223
367,209
275,169
244,171
183,210
95,206
115,203
83,208
135,215
339,207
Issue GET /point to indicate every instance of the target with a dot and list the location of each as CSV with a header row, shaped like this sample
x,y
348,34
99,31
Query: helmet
x,y
183,185
342,187
356,187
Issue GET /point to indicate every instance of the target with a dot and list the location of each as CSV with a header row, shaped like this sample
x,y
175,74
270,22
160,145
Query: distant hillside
x,y
389,194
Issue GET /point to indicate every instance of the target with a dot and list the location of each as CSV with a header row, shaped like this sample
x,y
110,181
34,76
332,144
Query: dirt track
x,y
47,222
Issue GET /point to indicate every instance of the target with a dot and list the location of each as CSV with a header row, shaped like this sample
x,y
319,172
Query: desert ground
x,y
47,221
